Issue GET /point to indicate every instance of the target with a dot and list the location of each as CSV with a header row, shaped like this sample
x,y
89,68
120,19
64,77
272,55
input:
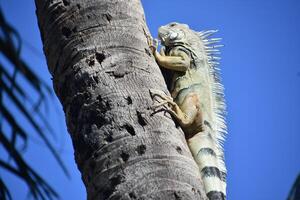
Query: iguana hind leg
x,y
187,113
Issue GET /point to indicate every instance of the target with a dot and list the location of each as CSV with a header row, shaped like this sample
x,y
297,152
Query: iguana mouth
x,y
165,38
163,34
162,38
168,37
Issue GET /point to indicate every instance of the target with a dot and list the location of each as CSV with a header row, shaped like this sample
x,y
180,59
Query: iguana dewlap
x,y
197,98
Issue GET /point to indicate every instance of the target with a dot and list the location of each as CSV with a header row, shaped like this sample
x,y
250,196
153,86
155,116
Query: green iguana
x,y
197,98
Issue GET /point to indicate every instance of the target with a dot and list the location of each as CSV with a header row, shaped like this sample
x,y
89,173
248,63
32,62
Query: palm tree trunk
x,y
102,70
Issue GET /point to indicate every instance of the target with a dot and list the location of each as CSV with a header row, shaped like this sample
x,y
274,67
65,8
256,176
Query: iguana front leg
x,y
177,60
180,62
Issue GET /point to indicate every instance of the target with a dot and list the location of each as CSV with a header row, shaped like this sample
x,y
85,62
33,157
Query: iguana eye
x,y
172,25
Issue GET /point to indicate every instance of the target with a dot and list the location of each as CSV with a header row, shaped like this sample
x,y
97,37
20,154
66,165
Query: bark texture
x,y
102,70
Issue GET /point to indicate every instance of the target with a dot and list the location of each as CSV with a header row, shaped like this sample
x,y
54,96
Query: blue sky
x,y
261,73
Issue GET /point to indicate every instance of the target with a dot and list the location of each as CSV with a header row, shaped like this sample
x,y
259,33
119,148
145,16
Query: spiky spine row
x,y
219,107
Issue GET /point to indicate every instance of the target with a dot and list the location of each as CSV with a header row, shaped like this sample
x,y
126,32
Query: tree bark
x,y
102,70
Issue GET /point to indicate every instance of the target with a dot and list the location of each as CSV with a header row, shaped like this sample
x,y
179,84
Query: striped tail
x,y
210,161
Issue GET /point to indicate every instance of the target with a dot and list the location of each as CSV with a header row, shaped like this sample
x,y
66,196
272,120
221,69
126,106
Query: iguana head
x,y
176,34
173,33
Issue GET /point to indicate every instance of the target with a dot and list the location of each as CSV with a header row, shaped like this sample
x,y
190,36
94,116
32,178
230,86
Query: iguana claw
x,y
154,107
166,99
153,44
160,94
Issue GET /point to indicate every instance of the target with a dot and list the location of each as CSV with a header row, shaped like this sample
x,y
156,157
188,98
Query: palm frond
x,y
4,193
295,191
16,94
38,186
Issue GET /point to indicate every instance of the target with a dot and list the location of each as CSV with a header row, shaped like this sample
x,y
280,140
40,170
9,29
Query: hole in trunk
x,y
179,150
66,2
141,118
129,129
141,149
100,57
66,32
129,100
124,156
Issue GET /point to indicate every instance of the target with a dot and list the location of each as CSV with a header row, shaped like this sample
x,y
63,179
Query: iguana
x,y
196,100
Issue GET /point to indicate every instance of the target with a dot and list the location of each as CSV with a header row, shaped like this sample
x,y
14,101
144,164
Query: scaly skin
x,y
196,101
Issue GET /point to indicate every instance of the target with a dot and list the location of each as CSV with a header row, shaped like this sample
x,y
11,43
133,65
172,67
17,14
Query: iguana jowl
x,y
197,98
